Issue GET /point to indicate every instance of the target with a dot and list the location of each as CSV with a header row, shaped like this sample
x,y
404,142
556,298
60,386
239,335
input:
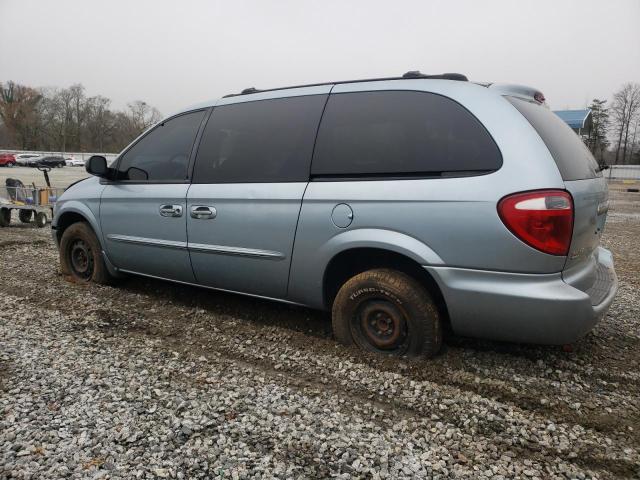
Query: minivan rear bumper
x,y
516,307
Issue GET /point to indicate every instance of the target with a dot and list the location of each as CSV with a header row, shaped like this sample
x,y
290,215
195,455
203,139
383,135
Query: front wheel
x,y
386,311
81,255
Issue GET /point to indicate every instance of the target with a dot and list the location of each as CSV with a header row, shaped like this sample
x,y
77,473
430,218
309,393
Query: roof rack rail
x,y
443,76
413,74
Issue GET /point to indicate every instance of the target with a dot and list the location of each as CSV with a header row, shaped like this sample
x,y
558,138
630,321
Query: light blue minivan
x,y
400,204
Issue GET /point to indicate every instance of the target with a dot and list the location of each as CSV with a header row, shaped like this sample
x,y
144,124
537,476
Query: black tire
x,y
41,220
387,311
60,165
5,217
81,255
11,164
25,215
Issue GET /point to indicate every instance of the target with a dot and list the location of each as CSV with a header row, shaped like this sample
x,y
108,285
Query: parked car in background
x,y
72,161
26,159
7,160
398,205
52,161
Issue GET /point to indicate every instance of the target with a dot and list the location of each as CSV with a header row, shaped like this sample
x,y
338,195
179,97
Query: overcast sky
x,y
175,53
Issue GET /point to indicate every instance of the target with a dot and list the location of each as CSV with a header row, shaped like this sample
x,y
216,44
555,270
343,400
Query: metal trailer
x,y
33,203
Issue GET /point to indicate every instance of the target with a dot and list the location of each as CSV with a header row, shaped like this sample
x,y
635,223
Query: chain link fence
x,y
623,172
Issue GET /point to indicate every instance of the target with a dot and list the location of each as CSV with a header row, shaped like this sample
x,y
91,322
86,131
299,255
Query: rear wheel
x,y
81,255
25,216
10,164
5,217
387,311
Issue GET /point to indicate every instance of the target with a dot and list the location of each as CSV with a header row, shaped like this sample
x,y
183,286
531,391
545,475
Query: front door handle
x,y
202,212
171,210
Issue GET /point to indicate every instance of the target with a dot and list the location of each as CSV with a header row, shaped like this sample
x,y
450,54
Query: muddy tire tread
x,y
82,229
425,323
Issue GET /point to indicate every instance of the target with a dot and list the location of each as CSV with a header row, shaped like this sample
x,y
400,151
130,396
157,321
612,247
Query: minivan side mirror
x,y
97,165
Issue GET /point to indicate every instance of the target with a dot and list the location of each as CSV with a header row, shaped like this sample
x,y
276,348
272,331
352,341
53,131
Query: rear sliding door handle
x,y
171,210
202,212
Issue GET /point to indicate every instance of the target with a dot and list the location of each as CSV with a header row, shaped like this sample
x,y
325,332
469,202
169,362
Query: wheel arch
x,y
70,214
352,261
78,212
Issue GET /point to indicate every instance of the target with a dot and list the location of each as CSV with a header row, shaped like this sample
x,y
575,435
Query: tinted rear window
x,y
573,158
400,133
261,141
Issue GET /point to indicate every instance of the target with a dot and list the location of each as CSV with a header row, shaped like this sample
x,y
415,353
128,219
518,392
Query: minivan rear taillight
x,y
542,219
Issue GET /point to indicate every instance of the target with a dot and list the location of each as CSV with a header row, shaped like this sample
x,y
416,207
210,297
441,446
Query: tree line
x,y
67,120
614,136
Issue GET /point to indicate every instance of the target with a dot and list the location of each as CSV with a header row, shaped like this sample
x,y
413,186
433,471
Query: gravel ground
x,y
153,380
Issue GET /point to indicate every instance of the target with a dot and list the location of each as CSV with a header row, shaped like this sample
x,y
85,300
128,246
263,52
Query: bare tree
x,y
65,119
79,106
48,132
63,109
597,138
625,107
143,115
99,121
18,111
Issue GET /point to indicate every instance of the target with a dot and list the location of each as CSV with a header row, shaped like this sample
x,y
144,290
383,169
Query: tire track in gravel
x,y
585,455
119,352
584,459
233,344
133,350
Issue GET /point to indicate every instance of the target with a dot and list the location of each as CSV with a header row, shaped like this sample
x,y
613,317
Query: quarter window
x,y
259,141
401,133
162,154
573,158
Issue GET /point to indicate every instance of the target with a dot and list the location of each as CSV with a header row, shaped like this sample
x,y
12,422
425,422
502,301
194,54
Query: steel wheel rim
x,y
81,259
382,325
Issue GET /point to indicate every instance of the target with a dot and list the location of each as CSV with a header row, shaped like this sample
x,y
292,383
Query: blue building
x,y
579,120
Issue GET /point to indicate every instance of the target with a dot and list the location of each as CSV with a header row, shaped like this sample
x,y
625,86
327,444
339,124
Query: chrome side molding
x,y
154,242
245,252
199,247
